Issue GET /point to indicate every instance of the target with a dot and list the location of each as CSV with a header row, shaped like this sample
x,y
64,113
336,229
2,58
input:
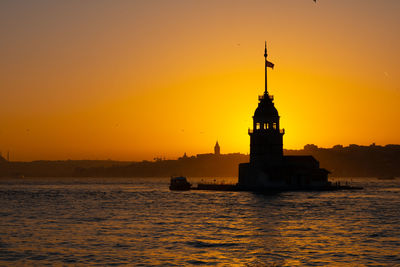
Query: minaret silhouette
x,y
217,149
266,144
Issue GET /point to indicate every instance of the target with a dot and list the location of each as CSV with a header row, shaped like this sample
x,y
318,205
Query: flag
x,y
269,64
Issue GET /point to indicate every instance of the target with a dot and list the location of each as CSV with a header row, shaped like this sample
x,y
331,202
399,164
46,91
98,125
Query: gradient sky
x,y
132,80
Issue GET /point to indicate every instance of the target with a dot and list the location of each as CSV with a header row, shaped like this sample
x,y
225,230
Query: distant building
x,y
217,152
268,167
217,149
185,157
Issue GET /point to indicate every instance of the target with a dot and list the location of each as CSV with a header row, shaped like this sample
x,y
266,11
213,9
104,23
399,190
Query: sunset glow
x,y
133,80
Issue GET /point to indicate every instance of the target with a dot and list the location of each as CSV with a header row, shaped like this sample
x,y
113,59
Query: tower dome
x,y
266,108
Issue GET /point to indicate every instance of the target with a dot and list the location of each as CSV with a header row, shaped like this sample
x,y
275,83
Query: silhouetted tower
x,y
217,149
266,146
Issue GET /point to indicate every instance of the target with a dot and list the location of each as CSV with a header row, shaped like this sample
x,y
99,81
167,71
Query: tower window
x,y
274,125
265,126
257,126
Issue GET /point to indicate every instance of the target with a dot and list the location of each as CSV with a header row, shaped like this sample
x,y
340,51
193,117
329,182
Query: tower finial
x,y
265,51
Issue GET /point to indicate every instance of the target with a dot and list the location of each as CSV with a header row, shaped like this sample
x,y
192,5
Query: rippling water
x,y
95,221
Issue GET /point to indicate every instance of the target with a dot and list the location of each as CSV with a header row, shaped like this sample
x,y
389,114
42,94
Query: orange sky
x,y
132,80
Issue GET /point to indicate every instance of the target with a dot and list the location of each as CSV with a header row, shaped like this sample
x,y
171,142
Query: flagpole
x,y
265,66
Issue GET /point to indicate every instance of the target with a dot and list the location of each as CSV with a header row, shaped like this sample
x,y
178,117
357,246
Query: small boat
x,y
179,183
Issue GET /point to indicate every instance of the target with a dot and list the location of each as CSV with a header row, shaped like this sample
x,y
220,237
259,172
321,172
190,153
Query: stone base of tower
x,y
295,172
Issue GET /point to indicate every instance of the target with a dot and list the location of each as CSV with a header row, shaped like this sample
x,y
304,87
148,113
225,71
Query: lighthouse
x,y
268,167
266,137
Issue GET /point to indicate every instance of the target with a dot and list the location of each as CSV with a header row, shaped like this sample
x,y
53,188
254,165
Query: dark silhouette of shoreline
x,y
355,160
350,161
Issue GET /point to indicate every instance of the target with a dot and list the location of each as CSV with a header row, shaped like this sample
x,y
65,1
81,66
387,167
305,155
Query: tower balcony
x,y
261,97
250,131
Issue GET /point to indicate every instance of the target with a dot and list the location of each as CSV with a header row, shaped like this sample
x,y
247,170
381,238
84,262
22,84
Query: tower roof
x,y
266,108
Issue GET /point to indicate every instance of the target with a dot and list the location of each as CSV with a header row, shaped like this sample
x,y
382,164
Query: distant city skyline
x,y
139,79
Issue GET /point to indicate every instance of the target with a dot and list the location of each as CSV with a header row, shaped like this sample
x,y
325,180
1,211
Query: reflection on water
x,y
97,221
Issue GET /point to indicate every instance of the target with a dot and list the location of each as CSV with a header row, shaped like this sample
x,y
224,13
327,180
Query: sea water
x,y
138,221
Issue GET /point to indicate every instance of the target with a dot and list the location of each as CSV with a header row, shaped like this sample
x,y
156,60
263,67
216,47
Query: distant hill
x,y
203,165
355,160
56,168
350,161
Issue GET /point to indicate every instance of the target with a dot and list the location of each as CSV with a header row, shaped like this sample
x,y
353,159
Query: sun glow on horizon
x,y
137,80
